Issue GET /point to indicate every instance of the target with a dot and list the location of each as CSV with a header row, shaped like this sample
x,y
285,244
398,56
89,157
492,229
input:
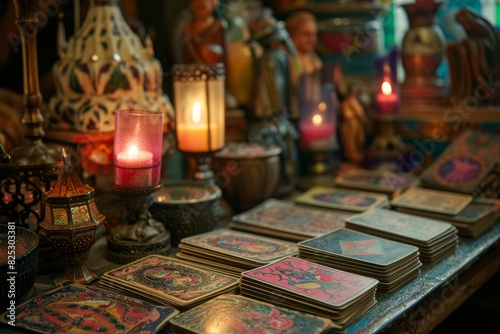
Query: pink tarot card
x,y
330,286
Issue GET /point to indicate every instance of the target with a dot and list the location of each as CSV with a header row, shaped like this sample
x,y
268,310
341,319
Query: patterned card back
x,y
231,314
341,199
314,281
374,179
243,245
87,309
464,163
359,246
167,277
288,217
405,225
432,200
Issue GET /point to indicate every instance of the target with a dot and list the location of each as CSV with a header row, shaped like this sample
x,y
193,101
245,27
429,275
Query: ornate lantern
x,y
72,223
199,106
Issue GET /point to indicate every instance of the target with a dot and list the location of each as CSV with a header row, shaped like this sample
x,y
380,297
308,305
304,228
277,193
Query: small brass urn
x,y
72,223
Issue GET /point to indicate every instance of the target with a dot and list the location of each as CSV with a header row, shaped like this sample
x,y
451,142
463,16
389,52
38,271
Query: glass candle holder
x,y
317,120
199,106
137,148
388,91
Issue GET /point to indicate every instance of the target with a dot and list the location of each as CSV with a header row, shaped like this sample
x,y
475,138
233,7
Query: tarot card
x,y
391,222
238,314
77,308
313,281
288,217
171,279
242,245
359,247
465,164
341,199
432,200
374,180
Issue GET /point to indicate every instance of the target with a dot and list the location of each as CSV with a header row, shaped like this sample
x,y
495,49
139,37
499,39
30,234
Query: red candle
x,y
317,134
134,168
387,100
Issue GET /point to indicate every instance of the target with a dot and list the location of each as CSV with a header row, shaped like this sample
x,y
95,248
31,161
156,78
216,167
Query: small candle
x,y
387,100
193,136
317,134
134,168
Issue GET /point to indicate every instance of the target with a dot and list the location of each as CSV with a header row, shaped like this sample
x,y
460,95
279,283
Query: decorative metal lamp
x,y
199,106
72,223
137,166
30,169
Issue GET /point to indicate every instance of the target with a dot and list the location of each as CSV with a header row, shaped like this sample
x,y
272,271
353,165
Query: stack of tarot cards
x,y
168,281
286,220
392,263
232,252
435,239
231,314
311,288
376,181
76,308
471,218
344,200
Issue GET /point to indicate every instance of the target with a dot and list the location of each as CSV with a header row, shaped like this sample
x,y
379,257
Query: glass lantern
x,y
200,113
137,148
199,106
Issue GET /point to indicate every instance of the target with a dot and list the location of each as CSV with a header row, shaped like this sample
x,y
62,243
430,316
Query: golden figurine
x,y
352,126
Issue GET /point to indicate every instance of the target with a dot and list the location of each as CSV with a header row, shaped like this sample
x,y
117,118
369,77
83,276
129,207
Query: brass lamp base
x,y
138,235
124,251
320,167
79,274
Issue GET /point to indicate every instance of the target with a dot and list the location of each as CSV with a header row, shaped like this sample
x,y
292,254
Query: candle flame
x,y
196,112
386,88
317,119
133,150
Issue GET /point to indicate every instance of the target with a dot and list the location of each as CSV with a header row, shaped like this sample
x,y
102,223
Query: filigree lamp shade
x,y
72,223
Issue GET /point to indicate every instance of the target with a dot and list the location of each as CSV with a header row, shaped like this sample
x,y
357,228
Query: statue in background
x,y
474,66
303,30
276,82
204,39
352,126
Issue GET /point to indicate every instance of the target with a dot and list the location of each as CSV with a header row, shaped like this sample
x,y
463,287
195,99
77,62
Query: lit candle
x,y
318,133
387,100
193,136
134,168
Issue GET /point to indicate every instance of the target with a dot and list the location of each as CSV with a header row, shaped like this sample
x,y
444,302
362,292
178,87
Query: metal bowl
x,y
24,271
186,208
247,173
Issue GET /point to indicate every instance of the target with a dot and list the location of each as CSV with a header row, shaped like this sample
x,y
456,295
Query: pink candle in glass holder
x,y
137,148
387,100
317,134
134,168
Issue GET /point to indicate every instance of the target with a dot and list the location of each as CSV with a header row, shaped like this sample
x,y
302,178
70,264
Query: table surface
x,y
417,307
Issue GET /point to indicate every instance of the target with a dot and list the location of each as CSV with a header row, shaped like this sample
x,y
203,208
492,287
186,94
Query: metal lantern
x,y
200,112
72,223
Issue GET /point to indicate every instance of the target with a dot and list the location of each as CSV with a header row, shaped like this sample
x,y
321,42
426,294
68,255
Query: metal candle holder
x,y
137,159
